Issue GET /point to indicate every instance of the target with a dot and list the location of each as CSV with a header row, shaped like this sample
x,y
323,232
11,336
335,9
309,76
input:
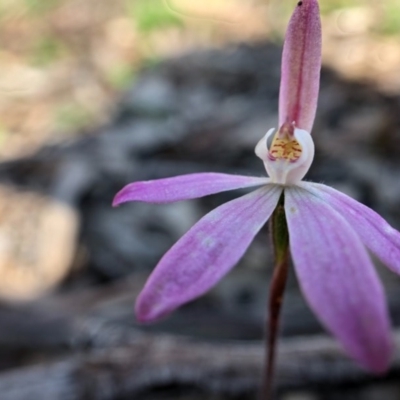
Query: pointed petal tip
x,y
116,200
143,318
377,367
375,354
120,197
379,361
380,368
147,313
129,192
310,3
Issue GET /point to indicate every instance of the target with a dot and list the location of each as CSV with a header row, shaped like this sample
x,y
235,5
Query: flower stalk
x,y
280,241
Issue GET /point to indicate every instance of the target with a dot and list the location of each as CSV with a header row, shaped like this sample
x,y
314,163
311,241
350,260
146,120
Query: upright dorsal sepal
x,y
301,65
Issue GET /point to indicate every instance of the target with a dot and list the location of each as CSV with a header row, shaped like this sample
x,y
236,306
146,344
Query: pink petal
x,y
337,278
184,187
205,253
301,65
373,230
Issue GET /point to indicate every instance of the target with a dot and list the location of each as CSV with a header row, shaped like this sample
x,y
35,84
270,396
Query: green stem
x,y
280,240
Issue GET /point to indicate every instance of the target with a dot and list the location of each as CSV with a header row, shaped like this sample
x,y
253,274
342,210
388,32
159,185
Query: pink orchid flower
x,y
329,232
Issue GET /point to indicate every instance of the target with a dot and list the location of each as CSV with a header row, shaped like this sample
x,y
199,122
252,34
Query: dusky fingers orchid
x,y
327,232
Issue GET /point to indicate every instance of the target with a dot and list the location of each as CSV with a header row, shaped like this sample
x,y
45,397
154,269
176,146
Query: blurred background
x,y
95,94
65,63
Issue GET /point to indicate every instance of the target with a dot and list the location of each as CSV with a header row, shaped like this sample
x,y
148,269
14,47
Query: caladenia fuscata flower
x,y
326,232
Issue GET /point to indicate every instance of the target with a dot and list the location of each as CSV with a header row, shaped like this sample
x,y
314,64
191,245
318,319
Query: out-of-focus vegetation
x,y
391,20
152,15
387,12
63,63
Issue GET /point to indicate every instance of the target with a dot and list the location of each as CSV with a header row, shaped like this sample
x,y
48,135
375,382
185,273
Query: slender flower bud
x,y
301,65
